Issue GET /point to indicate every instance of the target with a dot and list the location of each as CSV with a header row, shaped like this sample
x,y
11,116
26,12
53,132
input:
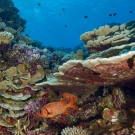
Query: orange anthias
x,y
51,110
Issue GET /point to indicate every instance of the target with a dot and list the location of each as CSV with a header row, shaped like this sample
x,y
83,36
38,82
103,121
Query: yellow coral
x,y
6,37
1,76
4,85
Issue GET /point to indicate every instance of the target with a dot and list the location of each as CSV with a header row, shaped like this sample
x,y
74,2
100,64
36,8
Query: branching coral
x,y
16,33
26,39
73,131
34,107
5,39
29,56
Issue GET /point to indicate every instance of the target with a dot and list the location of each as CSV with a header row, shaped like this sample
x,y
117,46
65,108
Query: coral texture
x,y
105,36
5,39
99,71
73,131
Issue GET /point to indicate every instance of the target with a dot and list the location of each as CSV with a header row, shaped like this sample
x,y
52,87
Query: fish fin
x,y
75,99
68,96
39,114
63,101
66,112
71,104
53,118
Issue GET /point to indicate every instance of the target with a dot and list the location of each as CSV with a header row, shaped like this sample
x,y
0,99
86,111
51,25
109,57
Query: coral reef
x,y
51,92
9,15
79,55
104,83
10,21
105,36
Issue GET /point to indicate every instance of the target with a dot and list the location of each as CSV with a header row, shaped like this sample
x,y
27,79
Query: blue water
x,y
60,23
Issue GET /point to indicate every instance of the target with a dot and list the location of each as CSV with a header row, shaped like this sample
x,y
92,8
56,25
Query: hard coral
x,y
73,131
28,55
34,107
105,36
20,77
99,71
5,39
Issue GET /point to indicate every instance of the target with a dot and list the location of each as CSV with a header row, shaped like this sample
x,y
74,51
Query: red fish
x,y
51,110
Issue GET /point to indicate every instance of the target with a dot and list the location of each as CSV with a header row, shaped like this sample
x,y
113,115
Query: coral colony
x,y
54,93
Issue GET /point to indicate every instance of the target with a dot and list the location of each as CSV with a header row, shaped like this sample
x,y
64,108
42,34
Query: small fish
x,y
130,11
110,14
114,14
10,22
65,25
63,8
39,4
85,16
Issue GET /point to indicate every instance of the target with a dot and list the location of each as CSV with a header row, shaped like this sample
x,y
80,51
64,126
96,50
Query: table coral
x,y
99,71
105,36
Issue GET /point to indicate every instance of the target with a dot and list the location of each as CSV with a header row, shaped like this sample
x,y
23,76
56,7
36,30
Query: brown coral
x,y
106,37
110,70
5,38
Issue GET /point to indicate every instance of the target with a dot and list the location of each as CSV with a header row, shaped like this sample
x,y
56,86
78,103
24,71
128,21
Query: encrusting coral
x,y
99,71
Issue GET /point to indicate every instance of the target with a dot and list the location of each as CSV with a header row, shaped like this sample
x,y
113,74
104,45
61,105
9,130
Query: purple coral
x,y
29,56
33,107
